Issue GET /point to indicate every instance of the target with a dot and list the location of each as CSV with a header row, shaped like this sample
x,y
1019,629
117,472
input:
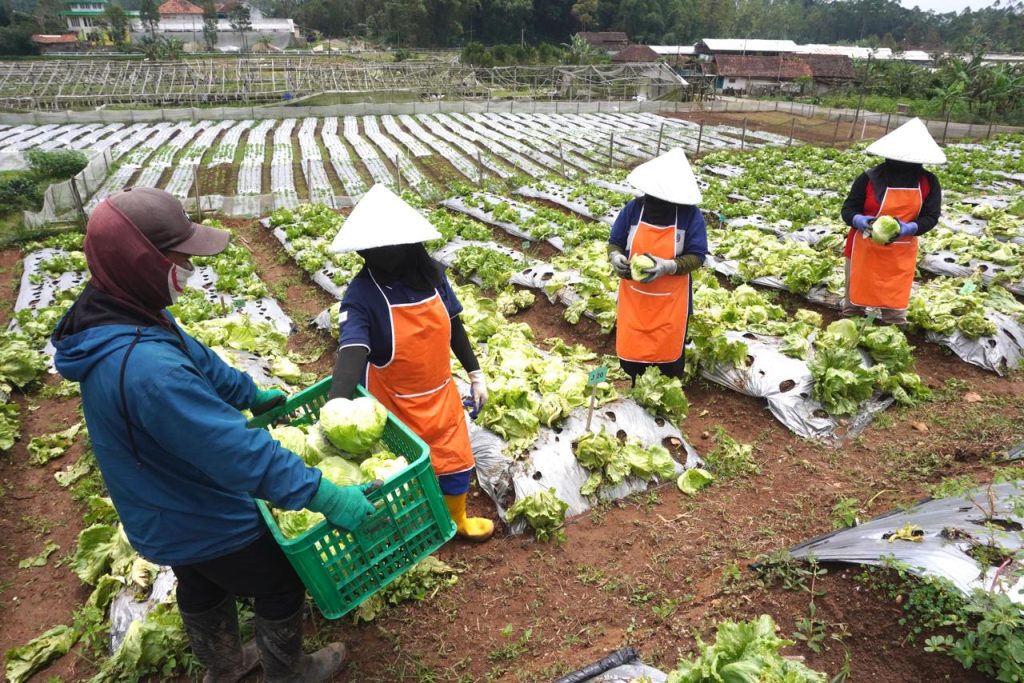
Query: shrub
x,y
60,164
19,192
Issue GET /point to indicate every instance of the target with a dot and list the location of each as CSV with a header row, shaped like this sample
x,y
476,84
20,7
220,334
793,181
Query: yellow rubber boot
x,y
476,529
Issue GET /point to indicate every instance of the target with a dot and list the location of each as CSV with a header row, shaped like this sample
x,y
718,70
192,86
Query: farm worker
x,y
665,225
881,275
398,320
182,469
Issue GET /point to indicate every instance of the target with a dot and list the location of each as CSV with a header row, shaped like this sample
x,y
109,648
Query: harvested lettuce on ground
x,y
43,449
21,662
422,581
745,652
353,425
661,395
155,646
10,426
691,481
544,512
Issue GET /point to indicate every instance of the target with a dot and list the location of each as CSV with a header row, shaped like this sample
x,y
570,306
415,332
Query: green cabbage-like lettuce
x,y
353,425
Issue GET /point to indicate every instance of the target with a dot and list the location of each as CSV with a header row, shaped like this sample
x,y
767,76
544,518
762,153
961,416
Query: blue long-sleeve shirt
x,y
691,232
185,491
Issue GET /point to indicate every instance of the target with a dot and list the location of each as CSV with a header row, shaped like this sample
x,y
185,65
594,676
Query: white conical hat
x,y
911,142
668,177
382,219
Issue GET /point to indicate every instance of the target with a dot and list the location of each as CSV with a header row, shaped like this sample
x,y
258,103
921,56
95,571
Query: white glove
x,y
478,388
620,264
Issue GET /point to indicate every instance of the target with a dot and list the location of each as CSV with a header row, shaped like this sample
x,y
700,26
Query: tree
x,y
48,16
585,12
149,14
240,19
116,21
210,25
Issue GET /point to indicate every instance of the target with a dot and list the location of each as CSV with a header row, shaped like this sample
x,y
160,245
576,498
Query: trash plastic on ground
x,y
621,666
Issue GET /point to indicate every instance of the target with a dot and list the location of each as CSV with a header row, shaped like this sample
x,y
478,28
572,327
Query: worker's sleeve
x,y
696,240
931,208
233,386
349,370
354,325
184,414
854,203
461,346
450,300
620,228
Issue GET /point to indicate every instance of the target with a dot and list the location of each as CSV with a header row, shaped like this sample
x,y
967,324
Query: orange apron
x,y
652,316
881,275
416,384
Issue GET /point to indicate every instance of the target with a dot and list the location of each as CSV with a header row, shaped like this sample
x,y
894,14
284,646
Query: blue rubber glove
x,y
266,399
343,506
662,266
906,230
863,223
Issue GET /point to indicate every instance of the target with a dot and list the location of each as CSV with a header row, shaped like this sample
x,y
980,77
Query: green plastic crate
x,y
342,569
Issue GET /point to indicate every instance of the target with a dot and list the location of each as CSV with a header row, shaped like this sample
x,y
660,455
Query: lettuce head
x,y
353,425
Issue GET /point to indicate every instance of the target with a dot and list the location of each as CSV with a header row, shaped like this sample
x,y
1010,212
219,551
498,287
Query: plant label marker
x,y
596,376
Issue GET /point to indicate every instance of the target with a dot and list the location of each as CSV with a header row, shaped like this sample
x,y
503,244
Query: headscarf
x,y
126,265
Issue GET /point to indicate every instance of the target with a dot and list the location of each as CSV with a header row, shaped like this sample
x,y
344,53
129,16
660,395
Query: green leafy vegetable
x,y
745,652
639,265
22,662
692,480
353,425
43,449
884,229
422,581
544,512
661,395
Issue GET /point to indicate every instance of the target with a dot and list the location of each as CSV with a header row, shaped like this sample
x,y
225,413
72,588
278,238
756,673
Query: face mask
x,y
177,276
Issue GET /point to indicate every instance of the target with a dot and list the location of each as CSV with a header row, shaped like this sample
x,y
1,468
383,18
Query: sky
x,y
946,5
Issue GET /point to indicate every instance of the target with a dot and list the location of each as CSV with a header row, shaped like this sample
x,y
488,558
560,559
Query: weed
x,y
883,420
845,513
952,486
951,390
810,630
513,649
589,576
40,526
666,608
730,458
779,567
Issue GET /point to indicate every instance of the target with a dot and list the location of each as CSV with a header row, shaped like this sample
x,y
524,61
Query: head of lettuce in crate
x,y
888,207
399,319
164,416
657,240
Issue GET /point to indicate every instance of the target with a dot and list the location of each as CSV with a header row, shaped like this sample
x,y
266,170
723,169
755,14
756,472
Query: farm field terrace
x,y
524,222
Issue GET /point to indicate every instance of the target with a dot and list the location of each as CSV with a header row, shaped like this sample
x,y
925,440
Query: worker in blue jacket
x,y
183,471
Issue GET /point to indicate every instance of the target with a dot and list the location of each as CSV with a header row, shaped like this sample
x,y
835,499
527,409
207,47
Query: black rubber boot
x,y
217,644
280,646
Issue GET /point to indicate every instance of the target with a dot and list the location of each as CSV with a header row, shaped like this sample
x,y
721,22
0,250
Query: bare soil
x,y
816,129
648,572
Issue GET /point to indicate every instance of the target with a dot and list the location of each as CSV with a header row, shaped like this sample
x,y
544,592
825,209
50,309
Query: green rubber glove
x,y
265,399
343,506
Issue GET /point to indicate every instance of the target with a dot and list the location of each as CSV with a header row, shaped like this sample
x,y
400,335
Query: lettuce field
x,y
664,521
